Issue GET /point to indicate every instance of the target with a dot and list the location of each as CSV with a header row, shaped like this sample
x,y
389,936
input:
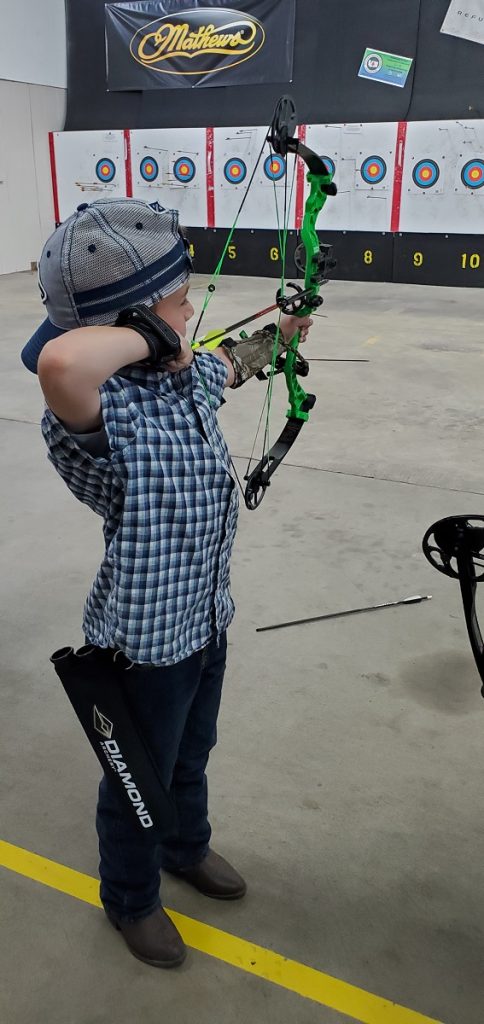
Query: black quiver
x,y
93,681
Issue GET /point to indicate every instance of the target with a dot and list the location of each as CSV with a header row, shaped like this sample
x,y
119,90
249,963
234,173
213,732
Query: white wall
x,y
27,114
33,81
33,42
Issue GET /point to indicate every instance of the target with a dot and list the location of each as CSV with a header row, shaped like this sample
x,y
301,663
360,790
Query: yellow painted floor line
x,y
262,963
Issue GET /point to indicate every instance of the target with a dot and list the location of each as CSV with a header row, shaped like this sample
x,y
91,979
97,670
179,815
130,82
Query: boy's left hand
x,y
291,324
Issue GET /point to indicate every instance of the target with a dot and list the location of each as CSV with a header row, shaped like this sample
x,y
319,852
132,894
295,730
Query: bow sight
x,y
324,260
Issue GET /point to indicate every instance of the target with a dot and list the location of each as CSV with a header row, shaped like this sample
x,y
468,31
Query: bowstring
x,y
211,289
218,269
283,236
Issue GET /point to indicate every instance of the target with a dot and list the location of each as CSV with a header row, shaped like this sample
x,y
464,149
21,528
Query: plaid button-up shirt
x,y
165,491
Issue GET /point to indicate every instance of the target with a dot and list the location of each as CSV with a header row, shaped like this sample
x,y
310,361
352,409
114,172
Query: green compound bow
x,y
315,261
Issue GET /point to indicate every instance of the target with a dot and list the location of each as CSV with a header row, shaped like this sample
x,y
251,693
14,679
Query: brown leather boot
x,y
153,939
214,877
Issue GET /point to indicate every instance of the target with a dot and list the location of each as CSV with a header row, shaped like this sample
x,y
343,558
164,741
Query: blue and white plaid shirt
x,y
167,497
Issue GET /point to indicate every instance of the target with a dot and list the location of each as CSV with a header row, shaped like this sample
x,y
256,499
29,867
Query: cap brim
x,y
31,351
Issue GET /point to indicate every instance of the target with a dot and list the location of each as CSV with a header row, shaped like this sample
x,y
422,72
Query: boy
x,y
137,440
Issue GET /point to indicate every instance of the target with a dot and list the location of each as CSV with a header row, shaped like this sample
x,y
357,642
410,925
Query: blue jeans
x,y
176,708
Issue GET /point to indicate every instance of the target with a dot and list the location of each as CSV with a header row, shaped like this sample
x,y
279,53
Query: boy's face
x,y
176,310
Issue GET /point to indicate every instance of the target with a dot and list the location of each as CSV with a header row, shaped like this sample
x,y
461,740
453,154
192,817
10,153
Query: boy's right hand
x,y
184,359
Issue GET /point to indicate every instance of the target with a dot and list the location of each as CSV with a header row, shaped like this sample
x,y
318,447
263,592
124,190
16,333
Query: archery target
x,y
361,159
443,192
373,170
105,169
149,168
330,164
274,167
235,171
178,155
472,174
426,173
241,155
88,166
184,169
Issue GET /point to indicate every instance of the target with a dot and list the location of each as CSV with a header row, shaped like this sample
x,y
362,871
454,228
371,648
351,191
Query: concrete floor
x,y
347,783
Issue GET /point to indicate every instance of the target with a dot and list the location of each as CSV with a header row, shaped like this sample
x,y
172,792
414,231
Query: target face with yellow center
x,y
472,174
373,170
184,169
235,171
426,173
149,169
274,167
105,169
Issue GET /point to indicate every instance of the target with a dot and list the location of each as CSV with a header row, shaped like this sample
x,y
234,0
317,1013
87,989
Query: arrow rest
x,y
304,299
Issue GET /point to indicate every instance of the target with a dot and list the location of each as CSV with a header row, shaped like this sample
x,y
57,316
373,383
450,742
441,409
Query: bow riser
x,y
300,403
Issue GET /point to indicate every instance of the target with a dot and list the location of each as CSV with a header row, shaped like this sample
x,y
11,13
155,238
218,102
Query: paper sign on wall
x,y
389,68
465,18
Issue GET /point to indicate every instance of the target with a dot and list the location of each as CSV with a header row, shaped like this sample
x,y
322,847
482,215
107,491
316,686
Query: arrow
x,y
328,360
216,335
352,611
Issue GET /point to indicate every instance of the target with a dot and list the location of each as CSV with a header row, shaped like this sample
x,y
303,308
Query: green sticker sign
x,y
389,68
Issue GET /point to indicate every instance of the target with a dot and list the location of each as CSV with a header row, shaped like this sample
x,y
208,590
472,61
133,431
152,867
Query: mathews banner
x,y
172,44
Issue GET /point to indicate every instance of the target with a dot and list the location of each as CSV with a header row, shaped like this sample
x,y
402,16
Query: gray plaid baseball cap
x,y
108,255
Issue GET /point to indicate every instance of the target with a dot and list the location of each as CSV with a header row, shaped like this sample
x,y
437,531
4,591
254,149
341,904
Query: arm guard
x,y
250,355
